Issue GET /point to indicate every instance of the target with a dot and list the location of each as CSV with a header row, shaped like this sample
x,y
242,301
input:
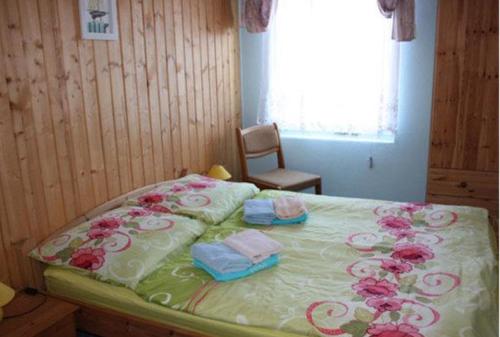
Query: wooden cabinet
x,y
43,317
463,156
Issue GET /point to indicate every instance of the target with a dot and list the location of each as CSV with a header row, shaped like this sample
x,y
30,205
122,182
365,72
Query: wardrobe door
x,y
463,156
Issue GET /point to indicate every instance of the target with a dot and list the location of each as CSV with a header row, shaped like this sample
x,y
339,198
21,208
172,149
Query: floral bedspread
x,y
360,268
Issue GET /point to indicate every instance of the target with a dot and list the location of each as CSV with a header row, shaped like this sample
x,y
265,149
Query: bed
x,y
356,268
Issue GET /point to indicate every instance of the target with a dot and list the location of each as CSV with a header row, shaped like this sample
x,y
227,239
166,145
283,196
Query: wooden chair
x,y
263,140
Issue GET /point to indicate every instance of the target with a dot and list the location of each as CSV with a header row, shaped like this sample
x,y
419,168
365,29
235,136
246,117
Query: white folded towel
x,y
253,244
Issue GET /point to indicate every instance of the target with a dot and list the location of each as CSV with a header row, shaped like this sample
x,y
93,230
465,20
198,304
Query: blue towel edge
x,y
271,261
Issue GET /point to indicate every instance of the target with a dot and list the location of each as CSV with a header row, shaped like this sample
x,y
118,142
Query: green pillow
x,y
121,246
203,198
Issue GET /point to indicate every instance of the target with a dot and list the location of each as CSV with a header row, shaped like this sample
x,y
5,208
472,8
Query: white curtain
x,y
331,67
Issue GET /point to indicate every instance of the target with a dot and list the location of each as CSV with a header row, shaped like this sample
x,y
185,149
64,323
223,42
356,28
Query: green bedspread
x,y
356,268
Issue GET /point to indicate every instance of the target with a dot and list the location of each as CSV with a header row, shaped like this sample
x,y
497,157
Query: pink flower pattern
x,y
403,233
110,234
394,222
151,198
159,208
413,207
168,198
384,292
396,267
107,223
371,287
199,185
88,258
412,252
99,233
136,212
393,330
179,188
385,304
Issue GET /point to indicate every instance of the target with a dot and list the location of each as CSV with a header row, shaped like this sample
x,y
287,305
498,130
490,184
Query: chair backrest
x,y
258,141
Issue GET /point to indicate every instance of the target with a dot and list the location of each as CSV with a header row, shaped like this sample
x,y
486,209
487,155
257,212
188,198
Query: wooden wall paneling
x,y
198,82
205,85
67,11
120,116
58,104
128,64
10,175
82,121
24,176
212,66
92,117
163,90
13,276
175,121
152,84
228,130
189,81
42,122
4,267
142,89
105,101
180,69
235,86
219,80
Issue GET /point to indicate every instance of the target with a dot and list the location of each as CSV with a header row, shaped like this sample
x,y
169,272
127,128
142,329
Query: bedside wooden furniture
x,y
262,140
51,318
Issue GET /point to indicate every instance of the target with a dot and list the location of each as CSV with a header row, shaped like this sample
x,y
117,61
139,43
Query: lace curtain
x,y
331,68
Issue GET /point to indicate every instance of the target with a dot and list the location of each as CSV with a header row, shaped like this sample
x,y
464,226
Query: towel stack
x,y
280,211
240,255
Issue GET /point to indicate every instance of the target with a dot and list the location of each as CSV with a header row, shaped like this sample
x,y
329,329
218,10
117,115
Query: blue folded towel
x,y
220,257
259,211
293,221
224,277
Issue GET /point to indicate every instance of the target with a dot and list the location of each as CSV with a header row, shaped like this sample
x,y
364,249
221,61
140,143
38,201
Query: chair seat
x,y
285,179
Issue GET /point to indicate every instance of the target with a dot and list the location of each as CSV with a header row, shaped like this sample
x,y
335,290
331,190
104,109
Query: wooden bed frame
x,y
111,323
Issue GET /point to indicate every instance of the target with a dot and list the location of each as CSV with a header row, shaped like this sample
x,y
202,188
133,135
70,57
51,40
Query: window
x,y
332,69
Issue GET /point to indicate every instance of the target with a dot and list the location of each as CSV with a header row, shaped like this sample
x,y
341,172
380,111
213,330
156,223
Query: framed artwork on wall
x,y
98,19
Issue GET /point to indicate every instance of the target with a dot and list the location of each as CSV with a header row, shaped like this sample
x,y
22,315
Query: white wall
x,y
400,169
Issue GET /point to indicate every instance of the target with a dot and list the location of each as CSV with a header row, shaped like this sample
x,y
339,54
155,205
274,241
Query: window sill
x,y
334,137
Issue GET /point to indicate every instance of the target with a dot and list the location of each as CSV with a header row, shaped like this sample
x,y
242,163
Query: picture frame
x,y
98,19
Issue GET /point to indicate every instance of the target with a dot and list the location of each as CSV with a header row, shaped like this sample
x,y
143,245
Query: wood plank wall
x,y
463,159
84,121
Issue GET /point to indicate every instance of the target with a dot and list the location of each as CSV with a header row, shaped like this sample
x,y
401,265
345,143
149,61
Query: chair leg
x,y
317,188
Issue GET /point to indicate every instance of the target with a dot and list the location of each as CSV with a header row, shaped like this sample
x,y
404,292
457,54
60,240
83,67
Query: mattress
x,y
71,284
359,268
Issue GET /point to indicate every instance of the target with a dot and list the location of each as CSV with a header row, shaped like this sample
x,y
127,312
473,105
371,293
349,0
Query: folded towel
x,y
253,244
220,257
293,221
287,207
258,211
223,277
